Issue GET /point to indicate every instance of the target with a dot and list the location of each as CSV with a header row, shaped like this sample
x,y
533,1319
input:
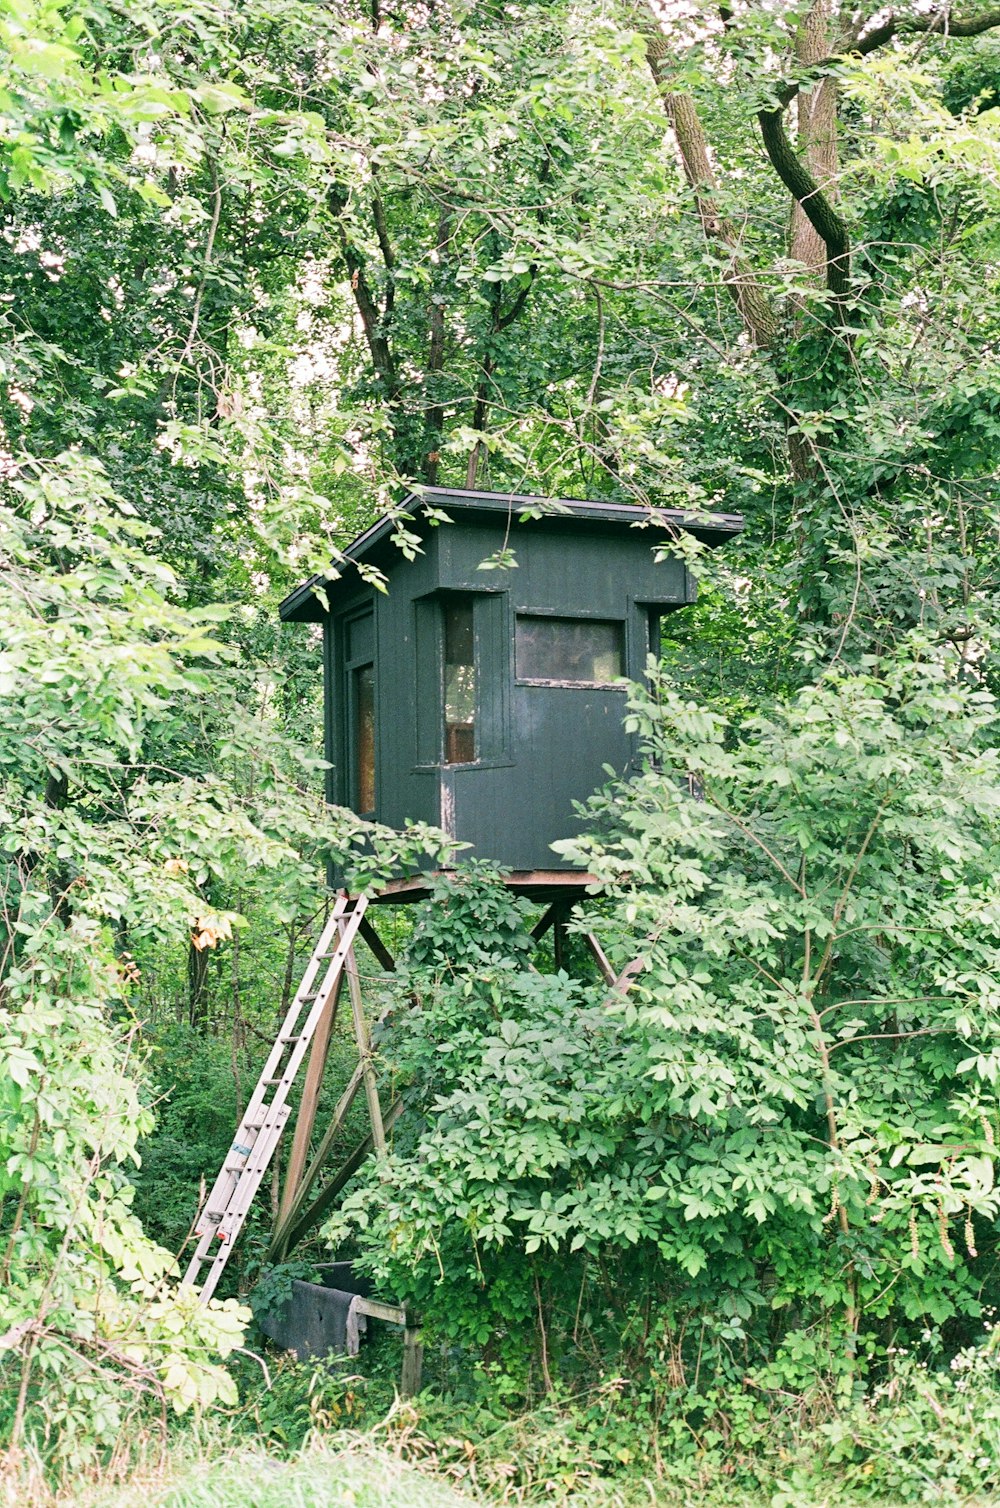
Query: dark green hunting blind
x,y
484,702
487,701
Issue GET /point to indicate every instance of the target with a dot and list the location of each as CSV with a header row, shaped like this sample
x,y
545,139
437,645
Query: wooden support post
x,y
623,983
279,1243
284,1233
610,977
413,1361
561,910
306,1119
323,1201
377,946
365,1053
548,916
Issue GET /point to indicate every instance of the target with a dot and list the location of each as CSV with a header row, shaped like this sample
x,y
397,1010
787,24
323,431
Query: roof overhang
x,y
303,605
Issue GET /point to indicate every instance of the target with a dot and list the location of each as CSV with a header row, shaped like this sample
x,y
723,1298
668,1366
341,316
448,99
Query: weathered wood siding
x,y
539,747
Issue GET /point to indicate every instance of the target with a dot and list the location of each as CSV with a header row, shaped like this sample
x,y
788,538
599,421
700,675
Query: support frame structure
x,y
302,1204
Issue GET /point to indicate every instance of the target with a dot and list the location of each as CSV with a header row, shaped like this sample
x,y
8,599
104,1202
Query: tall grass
x,y
360,1476
316,1479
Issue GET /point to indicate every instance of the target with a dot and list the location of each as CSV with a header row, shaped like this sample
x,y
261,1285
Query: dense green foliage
x,y
113,839
260,265
777,1149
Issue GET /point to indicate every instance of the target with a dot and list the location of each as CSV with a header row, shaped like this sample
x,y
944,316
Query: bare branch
x,y
206,265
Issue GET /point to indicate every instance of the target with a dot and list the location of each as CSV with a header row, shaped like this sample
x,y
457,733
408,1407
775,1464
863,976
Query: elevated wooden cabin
x,y
487,701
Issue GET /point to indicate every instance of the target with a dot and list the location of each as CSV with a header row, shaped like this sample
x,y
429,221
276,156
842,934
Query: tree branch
x,y
371,316
500,320
894,26
941,21
828,223
793,171
385,246
434,413
507,318
205,269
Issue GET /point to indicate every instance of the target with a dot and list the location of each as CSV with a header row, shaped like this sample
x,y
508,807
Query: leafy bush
x,y
93,650
819,925
780,1144
108,846
195,1116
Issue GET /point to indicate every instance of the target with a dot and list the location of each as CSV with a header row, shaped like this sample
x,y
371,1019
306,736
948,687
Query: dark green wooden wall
x,y
540,747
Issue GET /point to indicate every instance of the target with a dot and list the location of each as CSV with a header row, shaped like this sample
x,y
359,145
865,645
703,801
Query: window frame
x,y
492,627
581,617
448,604
359,750
352,667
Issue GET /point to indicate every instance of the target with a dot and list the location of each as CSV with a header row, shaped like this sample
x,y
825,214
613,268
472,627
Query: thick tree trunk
x,y
740,279
816,110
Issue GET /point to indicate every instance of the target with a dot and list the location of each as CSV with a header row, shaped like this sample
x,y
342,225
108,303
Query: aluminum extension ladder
x,y
224,1212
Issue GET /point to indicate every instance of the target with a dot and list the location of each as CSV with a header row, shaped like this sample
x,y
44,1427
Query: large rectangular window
x,y
459,682
569,651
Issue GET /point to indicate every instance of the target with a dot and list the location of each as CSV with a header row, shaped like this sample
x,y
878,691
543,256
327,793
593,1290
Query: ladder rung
x,y
289,1040
278,1080
238,1167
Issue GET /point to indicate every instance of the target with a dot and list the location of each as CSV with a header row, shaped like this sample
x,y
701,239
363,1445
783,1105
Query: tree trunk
x,y
434,413
740,279
816,111
197,986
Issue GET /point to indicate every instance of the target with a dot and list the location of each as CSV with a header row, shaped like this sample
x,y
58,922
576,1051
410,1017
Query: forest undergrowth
x,y
335,1434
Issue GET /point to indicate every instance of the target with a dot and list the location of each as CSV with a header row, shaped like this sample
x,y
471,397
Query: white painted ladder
x,y
225,1210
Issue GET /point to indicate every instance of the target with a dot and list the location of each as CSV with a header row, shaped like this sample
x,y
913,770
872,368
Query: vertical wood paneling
x,y
538,748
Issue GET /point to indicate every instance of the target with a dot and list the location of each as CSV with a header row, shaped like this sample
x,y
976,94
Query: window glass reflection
x,y
459,683
364,738
575,651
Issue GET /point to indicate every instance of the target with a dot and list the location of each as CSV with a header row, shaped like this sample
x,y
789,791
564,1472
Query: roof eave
x,y
303,605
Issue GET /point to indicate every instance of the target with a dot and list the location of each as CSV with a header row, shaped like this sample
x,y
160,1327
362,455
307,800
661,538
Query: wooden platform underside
x,y
534,884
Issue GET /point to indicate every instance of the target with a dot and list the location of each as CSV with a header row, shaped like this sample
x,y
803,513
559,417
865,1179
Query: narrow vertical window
x,y
459,683
364,738
656,623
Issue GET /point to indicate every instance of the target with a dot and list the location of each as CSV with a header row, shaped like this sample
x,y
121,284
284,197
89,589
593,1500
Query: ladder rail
x,y
305,988
224,1212
242,1144
283,1082
250,1181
